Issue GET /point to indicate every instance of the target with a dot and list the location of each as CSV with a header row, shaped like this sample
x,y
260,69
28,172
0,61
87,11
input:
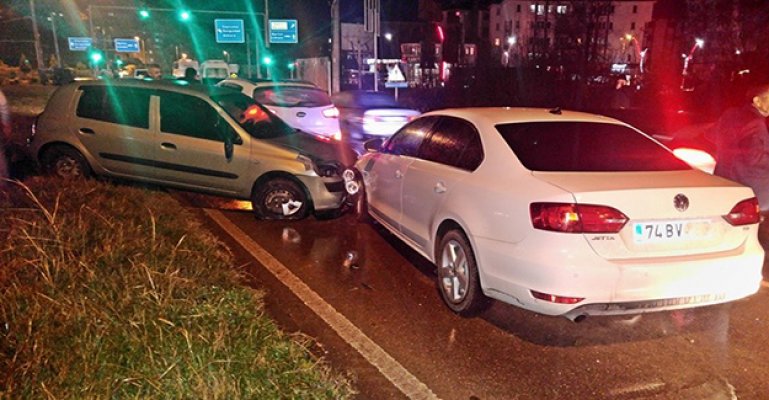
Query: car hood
x,y
318,149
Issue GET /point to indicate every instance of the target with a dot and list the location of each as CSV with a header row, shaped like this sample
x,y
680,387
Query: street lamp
x,y
698,43
52,18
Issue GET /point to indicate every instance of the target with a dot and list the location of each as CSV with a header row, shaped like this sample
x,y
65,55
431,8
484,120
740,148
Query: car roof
x,y
505,115
180,86
269,82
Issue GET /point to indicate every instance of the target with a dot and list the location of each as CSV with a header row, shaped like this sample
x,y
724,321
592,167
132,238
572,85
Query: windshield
x,y
587,147
255,119
291,96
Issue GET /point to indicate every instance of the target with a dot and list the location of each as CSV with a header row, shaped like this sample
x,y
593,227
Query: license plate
x,y
669,231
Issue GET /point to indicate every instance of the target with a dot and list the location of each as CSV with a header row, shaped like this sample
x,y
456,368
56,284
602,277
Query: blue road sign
x,y
127,45
79,43
229,31
284,31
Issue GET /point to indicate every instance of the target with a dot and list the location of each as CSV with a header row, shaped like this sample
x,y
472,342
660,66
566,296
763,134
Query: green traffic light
x,y
267,60
291,65
184,15
144,14
96,57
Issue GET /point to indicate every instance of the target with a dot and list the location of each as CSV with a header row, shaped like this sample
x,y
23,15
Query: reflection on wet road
x,y
388,292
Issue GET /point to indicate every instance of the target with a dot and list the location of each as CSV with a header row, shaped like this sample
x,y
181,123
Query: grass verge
x,y
115,292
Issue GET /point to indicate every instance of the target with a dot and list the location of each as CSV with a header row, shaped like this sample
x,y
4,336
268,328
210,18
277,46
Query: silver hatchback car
x,y
193,137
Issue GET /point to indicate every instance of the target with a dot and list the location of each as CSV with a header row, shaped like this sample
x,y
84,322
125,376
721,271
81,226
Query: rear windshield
x,y
291,96
586,146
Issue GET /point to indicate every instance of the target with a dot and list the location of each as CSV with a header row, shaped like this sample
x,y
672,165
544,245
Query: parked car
x,y
561,213
193,137
301,104
366,115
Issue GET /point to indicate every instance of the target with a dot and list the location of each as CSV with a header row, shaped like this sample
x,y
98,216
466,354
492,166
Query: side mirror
x,y
373,145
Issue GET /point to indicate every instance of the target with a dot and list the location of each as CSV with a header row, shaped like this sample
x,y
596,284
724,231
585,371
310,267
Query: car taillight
x,y
745,212
576,218
699,159
332,112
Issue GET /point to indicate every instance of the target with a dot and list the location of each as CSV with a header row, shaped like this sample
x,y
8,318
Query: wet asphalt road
x,y
719,352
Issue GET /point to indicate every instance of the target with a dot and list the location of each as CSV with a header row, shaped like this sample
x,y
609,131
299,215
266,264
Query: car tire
x,y
280,198
65,162
458,280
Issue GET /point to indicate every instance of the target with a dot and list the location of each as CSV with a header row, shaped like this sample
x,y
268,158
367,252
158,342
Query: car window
x,y
252,117
188,115
408,139
232,86
454,142
291,96
586,146
119,105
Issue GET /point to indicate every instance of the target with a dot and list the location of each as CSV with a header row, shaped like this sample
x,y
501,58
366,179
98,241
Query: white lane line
x,y
385,363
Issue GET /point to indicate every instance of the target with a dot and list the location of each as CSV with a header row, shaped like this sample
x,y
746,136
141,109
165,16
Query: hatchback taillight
x,y
332,112
576,218
745,212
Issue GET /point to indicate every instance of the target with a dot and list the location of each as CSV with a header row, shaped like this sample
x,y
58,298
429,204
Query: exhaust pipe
x,y
577,318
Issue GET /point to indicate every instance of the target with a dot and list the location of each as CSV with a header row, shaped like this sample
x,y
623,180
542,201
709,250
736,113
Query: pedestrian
x,y
742,144
153,72
5,139
191,75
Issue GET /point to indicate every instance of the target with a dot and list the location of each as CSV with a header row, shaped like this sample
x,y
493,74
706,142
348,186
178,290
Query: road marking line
x,y
396,373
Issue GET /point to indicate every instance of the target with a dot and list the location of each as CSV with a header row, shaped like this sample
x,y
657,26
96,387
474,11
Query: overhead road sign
x,y
229,31
127,45
79,43
284,31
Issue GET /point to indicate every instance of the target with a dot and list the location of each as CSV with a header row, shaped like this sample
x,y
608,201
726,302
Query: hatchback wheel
x,y
458,279
280,198
66,163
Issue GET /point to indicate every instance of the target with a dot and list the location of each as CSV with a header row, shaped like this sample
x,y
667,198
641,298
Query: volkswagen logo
x,y
681,202
301,114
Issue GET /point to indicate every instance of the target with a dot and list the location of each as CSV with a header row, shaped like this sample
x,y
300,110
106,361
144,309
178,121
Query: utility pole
x,y
55,39
36,33
336,47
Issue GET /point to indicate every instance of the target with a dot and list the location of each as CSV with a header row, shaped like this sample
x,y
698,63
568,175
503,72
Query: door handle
x,y
169,146
440,187
398,174
88,131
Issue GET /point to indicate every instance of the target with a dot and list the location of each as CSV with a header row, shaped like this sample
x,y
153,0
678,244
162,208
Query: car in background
x,y
300,104
559,212
682,131
193,137
367,115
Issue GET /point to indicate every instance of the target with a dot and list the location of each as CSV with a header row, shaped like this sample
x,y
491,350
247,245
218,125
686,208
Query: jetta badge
x,y
681,202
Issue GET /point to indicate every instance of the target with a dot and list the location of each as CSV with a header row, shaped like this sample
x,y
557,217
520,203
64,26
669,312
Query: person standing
x,y
153,72
5,140
741,137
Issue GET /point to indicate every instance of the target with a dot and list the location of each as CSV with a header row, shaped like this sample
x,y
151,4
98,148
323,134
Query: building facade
x,y
522,31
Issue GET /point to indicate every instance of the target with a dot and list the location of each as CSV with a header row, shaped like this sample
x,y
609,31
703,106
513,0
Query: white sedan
x,y
561,213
